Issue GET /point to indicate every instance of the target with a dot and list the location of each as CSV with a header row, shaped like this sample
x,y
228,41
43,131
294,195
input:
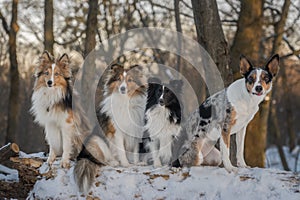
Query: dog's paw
x,y
242,164
65,164
142,163
231,168
125,164
50,160
157,164
114,163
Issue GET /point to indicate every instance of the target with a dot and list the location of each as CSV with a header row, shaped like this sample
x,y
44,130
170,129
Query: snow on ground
x,y
273,159
145,182
187,183
8,174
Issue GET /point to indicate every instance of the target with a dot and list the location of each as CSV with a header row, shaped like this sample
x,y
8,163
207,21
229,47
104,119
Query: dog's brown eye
x,y
250,79
46,73
130,80
266,79
56,74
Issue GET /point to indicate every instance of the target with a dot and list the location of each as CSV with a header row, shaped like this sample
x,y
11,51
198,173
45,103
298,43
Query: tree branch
x,y
70,41
4,23
185,4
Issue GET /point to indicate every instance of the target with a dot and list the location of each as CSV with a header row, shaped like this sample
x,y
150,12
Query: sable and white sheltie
x,y
162,119
227,112
122,112
52,108
121,117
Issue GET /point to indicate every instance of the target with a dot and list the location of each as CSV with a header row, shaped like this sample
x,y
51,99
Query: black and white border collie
x,y
162,119
227,112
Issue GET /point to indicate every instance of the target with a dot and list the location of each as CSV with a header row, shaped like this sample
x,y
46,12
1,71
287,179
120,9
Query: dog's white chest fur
x,y
158,123
127,114
244,104
162,130
43,106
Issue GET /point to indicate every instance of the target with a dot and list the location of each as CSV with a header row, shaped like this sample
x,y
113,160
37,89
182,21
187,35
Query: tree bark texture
x,y
247,41
48,26
13,105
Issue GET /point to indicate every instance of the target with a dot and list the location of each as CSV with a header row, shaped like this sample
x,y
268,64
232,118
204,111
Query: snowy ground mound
x,y
187,183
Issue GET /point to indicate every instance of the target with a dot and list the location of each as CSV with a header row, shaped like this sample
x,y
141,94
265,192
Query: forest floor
x,y
145,182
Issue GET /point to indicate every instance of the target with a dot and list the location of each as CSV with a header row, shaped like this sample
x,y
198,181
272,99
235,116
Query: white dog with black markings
x,y
225,113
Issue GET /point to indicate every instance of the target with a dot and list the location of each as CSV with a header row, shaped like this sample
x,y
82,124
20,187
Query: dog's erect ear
x,y
46,58
116,67
245,65
138,67
272,65
64,59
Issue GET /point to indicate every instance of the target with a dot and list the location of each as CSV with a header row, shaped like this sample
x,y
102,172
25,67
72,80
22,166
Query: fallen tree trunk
x,y
7,151
28,172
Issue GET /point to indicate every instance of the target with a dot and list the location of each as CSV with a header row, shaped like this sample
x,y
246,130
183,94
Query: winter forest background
x,y
225,28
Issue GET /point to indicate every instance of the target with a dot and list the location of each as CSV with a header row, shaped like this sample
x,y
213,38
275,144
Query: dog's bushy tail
x,y
84,174
86,167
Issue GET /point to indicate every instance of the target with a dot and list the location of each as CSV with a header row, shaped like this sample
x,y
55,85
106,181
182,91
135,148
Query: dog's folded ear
x,y
245,65
272,65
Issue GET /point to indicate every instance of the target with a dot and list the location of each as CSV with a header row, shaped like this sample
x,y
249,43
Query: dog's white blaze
x,y
162,94
257,81
123,84
52,73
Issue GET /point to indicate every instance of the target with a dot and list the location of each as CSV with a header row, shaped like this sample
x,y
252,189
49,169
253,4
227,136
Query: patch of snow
x,y
41,155
7,174
145,182
273,159
4,146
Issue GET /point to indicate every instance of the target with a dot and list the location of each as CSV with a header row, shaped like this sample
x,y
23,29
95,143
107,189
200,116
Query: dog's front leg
x,y
67,134
224,146
53,139
240,141
154,149
121,151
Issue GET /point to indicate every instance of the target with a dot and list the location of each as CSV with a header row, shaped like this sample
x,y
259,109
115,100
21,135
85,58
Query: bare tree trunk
x,y
248,35
88,74
48,26
279,26
274,128
211,37
277,135
91,27
247,41
13,105
179,30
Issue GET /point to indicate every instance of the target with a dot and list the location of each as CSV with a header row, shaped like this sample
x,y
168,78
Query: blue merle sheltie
x,y
162,119
121,117
52,108
227,112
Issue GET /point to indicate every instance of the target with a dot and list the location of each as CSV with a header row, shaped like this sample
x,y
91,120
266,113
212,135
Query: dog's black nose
x,y
122,89
161,102
258,88
49,83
